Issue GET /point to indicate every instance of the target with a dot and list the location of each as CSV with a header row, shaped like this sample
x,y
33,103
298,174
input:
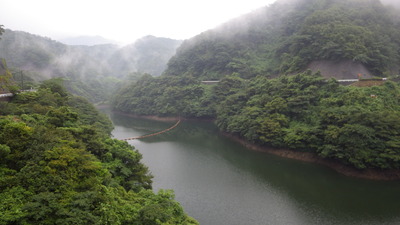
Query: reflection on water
x,y
221,182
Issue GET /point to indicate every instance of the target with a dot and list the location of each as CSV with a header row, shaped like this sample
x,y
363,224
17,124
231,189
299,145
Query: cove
x,y
219,181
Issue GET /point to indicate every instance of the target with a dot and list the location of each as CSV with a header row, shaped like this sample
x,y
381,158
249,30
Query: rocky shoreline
x,y
371,174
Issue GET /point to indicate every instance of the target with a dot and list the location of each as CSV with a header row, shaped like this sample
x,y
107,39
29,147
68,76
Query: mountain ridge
x,y
94,70
289,35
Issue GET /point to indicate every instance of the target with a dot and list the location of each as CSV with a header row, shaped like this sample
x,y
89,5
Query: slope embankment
x,y
344,69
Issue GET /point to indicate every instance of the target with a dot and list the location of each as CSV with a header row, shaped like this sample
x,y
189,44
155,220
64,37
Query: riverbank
x,y
159,118
371,174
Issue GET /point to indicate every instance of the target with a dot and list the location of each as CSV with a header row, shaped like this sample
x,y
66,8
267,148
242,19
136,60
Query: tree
x,y
1,30
6,83
56,167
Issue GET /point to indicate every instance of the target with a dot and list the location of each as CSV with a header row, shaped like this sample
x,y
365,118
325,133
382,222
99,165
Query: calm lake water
x,y
220,182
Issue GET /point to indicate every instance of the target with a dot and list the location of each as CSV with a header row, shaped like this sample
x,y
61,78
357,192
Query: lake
x,y
218,181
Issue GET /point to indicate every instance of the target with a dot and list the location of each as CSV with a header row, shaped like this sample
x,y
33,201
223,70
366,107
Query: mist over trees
x,y
266,96
147,55
58,164
287,36
89,71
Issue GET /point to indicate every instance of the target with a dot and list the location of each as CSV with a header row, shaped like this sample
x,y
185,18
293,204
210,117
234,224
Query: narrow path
x,y
154,134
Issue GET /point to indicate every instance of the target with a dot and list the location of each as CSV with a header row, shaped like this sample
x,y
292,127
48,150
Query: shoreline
x,y
370,174
160,118
156,118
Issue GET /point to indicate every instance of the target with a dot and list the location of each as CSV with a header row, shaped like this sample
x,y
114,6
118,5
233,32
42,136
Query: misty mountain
x,y
293,35
53,59
48,58
89,67
147,55
87,40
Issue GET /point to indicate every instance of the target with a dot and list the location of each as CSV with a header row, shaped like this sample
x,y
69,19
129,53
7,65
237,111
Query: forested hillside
x,y
289,35
89,71
147,55
58,165
265,95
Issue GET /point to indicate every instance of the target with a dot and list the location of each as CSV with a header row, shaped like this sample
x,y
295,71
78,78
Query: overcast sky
x,y
121,20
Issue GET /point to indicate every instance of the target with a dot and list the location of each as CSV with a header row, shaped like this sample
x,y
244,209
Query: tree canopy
x,y
286,37
58,165
355,125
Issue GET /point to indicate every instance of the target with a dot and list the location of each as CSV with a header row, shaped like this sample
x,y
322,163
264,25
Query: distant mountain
x,y
147,55
87,40
96,66
49,58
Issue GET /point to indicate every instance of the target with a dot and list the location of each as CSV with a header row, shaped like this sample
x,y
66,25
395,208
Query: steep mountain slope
x,y
289,35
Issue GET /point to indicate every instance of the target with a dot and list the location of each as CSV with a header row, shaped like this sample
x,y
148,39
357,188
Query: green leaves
x,y
304,112
57,167
286,38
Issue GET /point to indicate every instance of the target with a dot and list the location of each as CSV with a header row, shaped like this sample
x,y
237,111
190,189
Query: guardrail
x,y
6,95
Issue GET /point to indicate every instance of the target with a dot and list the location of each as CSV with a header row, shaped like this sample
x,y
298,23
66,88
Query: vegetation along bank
x,y
265,93
58,165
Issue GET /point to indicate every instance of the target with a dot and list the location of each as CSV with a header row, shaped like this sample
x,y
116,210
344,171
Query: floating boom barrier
x,y
154,134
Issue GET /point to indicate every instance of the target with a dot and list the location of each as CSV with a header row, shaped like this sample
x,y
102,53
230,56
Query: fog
x,y
121,20
395,3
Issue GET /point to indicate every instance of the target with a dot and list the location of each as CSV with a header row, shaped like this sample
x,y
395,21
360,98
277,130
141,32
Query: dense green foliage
x,y
361,31
165,96
287,37
304,112
58,165
6,78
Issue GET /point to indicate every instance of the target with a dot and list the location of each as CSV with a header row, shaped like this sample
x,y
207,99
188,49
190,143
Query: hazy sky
x,y
121,20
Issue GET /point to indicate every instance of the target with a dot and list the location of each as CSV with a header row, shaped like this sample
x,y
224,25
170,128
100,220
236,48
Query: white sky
x,y
122,20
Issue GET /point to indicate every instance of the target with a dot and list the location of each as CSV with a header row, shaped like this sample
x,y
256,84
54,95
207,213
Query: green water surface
x,y
218,181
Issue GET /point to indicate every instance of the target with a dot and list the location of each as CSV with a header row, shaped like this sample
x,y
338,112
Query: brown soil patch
x,y
344,69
